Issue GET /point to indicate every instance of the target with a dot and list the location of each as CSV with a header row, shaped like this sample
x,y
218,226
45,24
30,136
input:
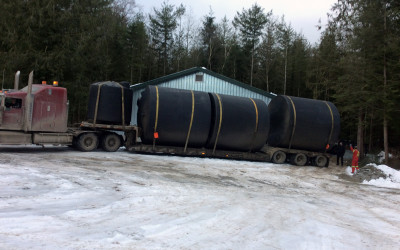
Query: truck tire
x,y
87,142
279,157
321,161
299,159
111,142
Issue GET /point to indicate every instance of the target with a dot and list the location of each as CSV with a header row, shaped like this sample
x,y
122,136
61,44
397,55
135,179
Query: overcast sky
x,y
302,15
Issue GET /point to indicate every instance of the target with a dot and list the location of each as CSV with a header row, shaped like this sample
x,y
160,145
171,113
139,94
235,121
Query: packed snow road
x,y
57,198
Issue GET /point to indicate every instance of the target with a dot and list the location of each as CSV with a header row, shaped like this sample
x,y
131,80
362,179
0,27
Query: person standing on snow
x,y
340,153
354,162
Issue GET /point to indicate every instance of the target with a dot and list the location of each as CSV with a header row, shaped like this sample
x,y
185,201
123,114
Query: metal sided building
x,y
199,79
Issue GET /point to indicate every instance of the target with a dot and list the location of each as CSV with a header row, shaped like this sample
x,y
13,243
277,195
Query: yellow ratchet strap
x,y
220,122
123,104
332,120
294,122
256,127
191,123
97,104
156,120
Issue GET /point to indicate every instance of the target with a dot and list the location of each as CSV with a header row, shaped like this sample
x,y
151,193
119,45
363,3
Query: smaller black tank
x,y
238,123
301,123
109,97
177,116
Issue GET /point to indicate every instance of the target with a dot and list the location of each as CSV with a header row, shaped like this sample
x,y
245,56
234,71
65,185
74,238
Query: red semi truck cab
x,y
45,111
38,114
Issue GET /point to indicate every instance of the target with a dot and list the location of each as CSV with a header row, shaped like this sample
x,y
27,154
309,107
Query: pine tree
x,y
227,38
162,26
209,38
268,52
138,46
364,29
250,23
286,36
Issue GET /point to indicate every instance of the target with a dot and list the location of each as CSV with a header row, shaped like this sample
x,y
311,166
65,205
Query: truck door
x,y
11,113
48,114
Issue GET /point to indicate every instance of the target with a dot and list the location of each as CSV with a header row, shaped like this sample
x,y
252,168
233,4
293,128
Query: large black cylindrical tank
x,y
109,97
301,123
238,123
175,115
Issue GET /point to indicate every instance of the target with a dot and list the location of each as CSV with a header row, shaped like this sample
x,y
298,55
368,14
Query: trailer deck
x,y
200,152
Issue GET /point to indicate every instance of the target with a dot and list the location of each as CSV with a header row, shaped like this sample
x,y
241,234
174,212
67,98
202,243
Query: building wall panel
x,y
209,84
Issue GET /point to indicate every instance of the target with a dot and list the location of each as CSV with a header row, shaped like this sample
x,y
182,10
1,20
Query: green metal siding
x,y
210,83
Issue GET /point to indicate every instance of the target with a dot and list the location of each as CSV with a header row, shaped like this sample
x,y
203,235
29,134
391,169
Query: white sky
x,y
302,15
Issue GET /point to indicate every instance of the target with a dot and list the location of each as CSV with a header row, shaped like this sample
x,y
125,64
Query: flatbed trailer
x,y
297,157
199,152
110,137
266,154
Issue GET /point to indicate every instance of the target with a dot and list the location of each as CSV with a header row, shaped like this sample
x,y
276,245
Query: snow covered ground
x,y
57,198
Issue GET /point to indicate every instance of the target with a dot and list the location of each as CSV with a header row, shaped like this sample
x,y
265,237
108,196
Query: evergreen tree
x,y
178,50
250,23
324,72
268,52
162,26
227,38
74,42
285,34
364,29
140,56
209,38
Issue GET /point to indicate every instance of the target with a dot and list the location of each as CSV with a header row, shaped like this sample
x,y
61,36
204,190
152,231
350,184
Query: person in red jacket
x,y
356,155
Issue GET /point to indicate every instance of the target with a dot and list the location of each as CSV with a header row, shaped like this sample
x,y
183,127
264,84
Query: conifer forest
x,y
355,64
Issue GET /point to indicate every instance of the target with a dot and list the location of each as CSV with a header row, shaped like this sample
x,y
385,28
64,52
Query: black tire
x,y
279,157
87,142
299,159
111,142
321,161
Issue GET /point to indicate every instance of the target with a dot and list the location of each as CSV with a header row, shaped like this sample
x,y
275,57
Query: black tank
x,y
238,123
109,98
300,123
175,115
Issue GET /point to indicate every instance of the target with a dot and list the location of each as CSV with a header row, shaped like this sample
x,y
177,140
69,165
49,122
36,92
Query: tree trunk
x,y
284,84
252,66
267,79
360,134
385,139
370,131
385,121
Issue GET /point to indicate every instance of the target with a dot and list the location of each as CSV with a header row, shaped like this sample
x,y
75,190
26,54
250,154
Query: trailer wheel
x,y
279,157
321,161
299,159
110,142
87,142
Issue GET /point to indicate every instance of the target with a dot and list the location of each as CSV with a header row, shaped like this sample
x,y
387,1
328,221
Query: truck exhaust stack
x,y
16,81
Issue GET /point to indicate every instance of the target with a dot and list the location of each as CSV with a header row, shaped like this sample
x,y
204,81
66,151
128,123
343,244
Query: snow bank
x,y
392,179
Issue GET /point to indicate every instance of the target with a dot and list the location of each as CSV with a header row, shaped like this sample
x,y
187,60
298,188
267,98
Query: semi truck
x,y
38,114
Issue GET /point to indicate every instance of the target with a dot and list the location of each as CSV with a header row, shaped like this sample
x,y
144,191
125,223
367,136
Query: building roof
x,y
203,70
